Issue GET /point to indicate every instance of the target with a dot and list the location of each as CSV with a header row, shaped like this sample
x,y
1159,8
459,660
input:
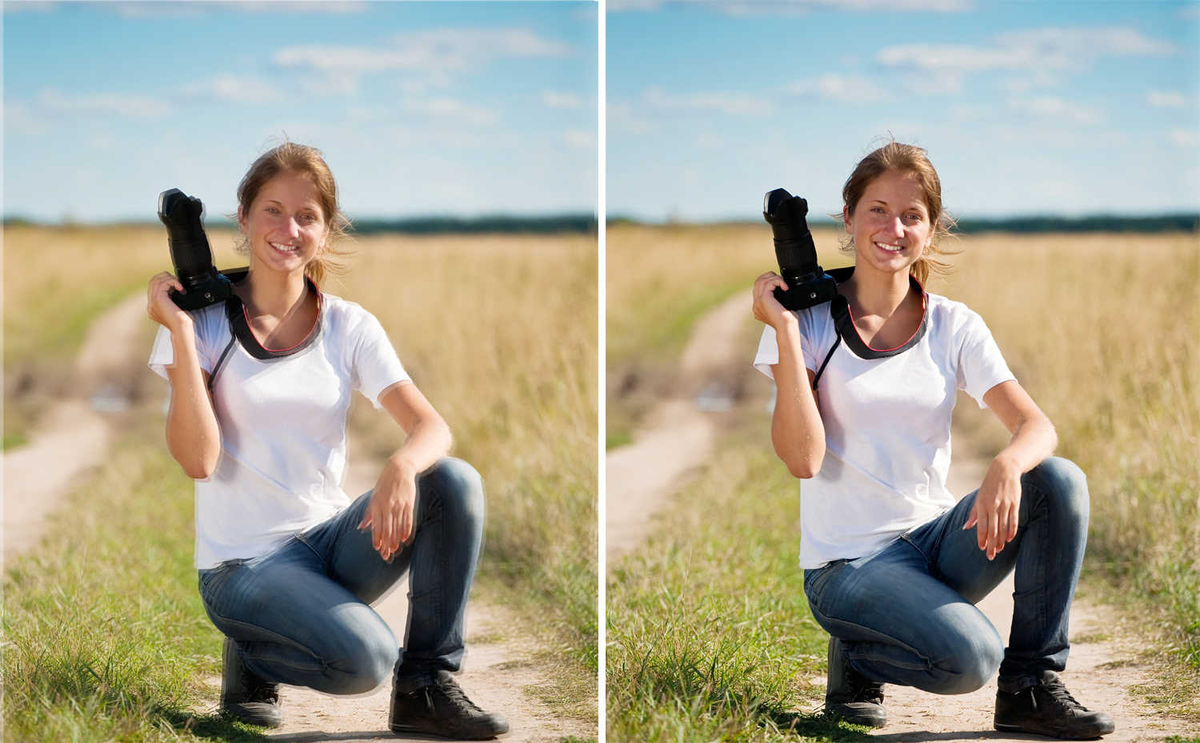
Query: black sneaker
x,y
849,694
1049,709
246,696
441,708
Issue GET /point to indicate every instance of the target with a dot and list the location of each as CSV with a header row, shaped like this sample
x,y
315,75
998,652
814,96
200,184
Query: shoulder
x,y
209,322
348,319
951,314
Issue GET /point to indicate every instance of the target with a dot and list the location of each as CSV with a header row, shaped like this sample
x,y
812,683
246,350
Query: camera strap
x,y
843,322
239,329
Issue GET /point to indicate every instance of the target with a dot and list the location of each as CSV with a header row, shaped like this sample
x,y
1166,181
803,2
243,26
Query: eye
x,y
272,210
877,209
308,218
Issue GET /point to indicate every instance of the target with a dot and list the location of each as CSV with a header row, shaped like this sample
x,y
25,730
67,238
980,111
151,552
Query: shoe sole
x,y
1082,735
401,728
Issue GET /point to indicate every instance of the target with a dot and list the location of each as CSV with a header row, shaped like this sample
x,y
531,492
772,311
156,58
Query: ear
x,y
846,220
241,219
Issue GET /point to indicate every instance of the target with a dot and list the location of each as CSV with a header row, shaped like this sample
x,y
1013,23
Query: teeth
x,y
891,248
283,248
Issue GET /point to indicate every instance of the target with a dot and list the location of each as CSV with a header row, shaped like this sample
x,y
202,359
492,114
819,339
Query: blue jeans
x,y
300,614
906,612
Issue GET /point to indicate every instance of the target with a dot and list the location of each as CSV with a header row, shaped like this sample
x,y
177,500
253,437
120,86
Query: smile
x,y
285,249
889,248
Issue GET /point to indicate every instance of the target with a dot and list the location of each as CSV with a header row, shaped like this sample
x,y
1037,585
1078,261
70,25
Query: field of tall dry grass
x,y
1100,329
499,332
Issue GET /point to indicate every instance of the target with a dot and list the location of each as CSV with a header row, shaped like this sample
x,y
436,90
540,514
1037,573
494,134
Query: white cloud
x,y
1166,99
845,88
620,117
1056,108
1037,53
740,104
580,138
792,7
235,89
555,99
1184,137
114,103
176,9
451,108
28,6
435,51
1023,83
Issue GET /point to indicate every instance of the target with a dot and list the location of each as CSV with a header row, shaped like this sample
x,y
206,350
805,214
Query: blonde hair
x,y
914,161
290,157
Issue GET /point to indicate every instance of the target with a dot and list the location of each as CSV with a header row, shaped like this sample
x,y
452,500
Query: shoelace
x,y
1058,692
457,697
870,692
263,691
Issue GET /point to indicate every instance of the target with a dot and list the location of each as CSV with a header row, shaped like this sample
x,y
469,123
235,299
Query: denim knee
x,y
969,669
1064,486
366,661
461,490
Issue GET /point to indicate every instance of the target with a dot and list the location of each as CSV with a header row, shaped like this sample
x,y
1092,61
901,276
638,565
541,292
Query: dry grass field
x,y
1100,329
499,332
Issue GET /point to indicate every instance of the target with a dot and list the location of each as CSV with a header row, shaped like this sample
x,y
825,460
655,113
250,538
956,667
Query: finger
x,y
406,524
1014,517
981,530
972,518
993,534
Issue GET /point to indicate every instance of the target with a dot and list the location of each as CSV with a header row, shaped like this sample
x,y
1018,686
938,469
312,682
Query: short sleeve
x,y
162,353
376,365
980,363
768,347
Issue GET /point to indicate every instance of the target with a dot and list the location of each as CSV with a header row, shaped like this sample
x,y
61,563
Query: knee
x,y
973,665
366,661
460,488
1064,486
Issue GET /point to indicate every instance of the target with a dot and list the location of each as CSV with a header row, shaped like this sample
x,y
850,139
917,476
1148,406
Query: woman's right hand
x,y
767,308
161,308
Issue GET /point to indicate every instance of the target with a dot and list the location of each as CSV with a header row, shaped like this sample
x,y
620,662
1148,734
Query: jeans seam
x,y
282,639
879,659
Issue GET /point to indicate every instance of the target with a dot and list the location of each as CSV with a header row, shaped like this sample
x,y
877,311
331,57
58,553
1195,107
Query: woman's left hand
x,y
391,511
997,507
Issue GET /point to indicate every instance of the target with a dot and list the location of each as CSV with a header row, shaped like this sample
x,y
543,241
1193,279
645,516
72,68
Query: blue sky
x,y
420,108
1025,107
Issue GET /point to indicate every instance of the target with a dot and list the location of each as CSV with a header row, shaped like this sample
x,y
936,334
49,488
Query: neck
x,y
876,293
269,293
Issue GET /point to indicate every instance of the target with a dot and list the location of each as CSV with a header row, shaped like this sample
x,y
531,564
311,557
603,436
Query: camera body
x,y
191,253
808,284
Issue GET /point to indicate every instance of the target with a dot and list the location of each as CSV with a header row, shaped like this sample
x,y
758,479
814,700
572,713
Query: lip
x,y
290,250
890,251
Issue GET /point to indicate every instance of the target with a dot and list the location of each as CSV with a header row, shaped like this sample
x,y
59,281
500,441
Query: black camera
x,y
190,252
808,284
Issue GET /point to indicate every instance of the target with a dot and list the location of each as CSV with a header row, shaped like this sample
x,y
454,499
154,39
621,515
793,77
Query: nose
x,y
897,227
293,228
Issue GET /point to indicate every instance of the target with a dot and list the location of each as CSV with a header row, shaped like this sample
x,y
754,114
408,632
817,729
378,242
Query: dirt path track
x,y
643,476
74,437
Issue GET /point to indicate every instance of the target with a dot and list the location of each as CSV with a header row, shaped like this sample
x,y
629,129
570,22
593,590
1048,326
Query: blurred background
x,y
1067,139
463,139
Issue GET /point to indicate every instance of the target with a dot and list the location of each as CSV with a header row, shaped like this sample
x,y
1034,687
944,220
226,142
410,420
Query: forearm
x,y
193,436
427,442
1033,440
797,432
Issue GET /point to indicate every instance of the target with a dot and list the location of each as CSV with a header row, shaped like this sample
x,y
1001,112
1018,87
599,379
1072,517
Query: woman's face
x,y
285,225
890,223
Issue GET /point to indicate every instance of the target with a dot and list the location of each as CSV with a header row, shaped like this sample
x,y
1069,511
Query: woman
x,y
866,386
260,388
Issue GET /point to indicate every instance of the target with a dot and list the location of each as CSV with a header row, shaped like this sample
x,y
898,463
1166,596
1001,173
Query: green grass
x,y
737,660
105,635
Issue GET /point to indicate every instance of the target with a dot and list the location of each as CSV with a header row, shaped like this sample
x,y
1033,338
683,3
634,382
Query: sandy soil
x,y
641,477
498,672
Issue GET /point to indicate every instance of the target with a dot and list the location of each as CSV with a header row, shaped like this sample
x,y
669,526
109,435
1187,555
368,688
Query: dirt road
x,y
642,477
73,438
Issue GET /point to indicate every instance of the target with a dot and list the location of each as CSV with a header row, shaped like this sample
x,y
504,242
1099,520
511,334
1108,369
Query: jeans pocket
x,y
211,579
816,580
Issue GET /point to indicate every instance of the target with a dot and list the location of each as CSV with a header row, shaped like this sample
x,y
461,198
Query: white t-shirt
x,y
283,426
887,427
